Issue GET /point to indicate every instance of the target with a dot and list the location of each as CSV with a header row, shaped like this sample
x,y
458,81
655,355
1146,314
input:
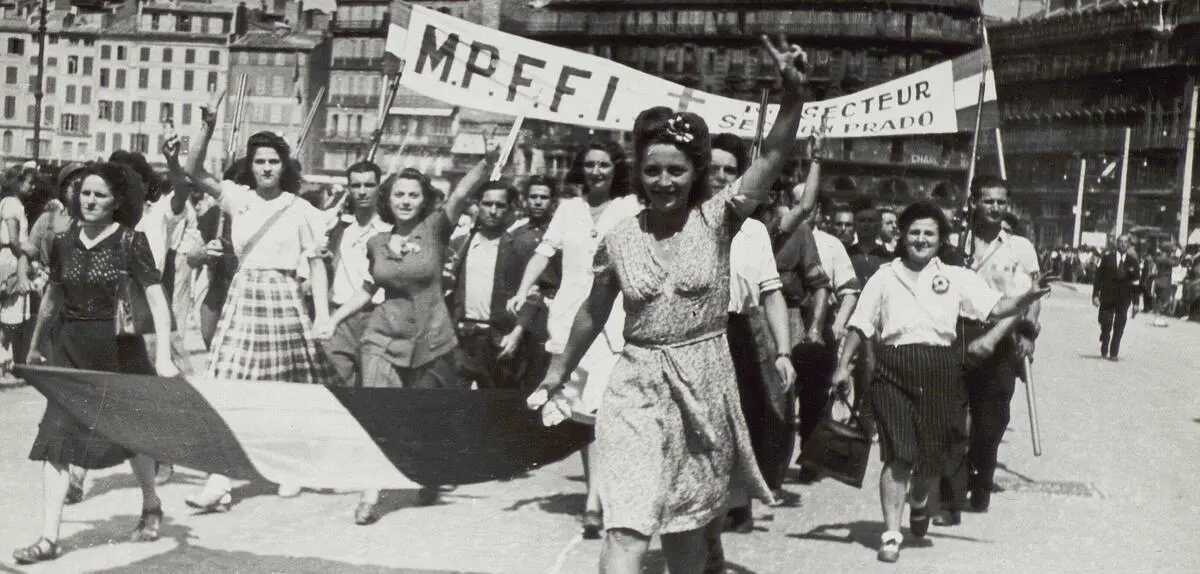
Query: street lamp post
x,y
41,73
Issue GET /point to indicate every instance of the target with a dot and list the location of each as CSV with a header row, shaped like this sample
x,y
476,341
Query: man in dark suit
x,y
1115,289
490,262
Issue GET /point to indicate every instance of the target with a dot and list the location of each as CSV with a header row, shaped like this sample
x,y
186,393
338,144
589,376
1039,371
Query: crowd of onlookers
x,y
1170,274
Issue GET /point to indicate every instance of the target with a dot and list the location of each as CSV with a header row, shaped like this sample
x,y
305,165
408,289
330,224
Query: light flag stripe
x,y
300,434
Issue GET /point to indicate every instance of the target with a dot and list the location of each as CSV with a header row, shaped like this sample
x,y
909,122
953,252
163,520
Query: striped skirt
x,y
917,395
265,335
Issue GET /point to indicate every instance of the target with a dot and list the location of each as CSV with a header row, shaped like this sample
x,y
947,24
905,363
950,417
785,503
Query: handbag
x,y
132,316
838,449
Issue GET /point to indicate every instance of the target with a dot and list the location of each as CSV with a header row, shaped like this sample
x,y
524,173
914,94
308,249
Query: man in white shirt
x,y
347,244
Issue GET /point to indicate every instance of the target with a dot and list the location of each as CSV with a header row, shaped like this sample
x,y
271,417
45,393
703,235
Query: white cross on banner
x,y
468,65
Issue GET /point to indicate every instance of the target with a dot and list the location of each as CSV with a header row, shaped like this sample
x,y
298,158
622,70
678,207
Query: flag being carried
x,y
465,64
311,435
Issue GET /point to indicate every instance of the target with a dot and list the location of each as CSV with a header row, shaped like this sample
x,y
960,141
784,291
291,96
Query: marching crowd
x,y
702,305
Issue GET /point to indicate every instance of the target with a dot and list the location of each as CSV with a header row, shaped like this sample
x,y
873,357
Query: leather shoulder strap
x,y
266,226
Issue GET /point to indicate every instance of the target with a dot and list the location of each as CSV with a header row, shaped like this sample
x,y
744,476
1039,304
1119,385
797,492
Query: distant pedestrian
x,y
1115,291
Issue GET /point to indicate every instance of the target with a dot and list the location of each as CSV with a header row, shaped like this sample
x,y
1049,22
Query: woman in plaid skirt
x,y
265,333
911,306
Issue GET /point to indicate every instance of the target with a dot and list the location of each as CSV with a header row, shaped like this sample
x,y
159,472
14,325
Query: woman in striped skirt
x,y
910,306
265,333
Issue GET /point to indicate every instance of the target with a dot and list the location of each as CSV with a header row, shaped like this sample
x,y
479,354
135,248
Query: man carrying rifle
x,y
993,350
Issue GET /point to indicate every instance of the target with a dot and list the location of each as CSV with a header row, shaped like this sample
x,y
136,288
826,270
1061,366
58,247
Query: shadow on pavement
x,y
866,533
116,530
195,559
656,563
1004,467
561,503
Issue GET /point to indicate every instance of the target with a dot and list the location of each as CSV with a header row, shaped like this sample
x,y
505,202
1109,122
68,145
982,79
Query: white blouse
x,y
573,232
904,307
752,269
297,235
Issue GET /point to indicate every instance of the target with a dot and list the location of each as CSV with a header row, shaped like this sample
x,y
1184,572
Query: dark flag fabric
x,y
311,435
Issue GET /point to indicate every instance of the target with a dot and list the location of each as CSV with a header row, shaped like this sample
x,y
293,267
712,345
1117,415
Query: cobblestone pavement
x,y
1115,491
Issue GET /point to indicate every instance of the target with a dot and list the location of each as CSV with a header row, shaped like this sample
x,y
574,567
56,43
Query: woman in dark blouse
x,y
87,263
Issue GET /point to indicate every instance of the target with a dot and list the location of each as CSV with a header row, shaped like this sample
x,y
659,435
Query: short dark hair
x,y
982,182
289,174
365,167
126,187
141,168
429,194
918,211
511,195
542,181
686,131
621,169
736,147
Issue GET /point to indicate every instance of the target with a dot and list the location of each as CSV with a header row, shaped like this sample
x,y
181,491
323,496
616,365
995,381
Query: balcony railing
x,y
354,101
360,26
917,26
1083,139
357,63
1117,58
1111,23
391,139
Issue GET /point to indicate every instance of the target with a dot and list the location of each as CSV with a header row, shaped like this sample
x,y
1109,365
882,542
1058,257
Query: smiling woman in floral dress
x,y
670,437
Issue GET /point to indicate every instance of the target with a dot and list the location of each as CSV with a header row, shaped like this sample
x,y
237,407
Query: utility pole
x,y
1189,157
38,90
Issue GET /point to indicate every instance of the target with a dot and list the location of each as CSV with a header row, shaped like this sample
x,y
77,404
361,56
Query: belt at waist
x,y
695,422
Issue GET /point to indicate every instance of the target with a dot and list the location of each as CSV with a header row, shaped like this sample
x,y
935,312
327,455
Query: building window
x,y
30,115
103,77
277,86
189,80
16,46
105,110
48,116
87,65
137,112
10,75
82,146
214,58
243,58
183,23
100,137
143,79
154,21
140,143
70,123
120,80
166,113
168,55
51,62
189,56
121,55
144,55
166,79
118,117
10,107
85,94
66,150
212,81
185,112
260,85
280,59
116,141
70,93
32,84
51,84
6,147
105,54
72,65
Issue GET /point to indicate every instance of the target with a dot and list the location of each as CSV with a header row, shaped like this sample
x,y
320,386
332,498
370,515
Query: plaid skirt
x,y
265,335
916,398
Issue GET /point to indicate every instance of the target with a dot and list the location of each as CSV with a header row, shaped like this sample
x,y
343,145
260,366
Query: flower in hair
x,y
680,129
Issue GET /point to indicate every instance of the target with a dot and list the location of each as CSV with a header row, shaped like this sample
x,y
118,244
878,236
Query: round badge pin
x,y
941,284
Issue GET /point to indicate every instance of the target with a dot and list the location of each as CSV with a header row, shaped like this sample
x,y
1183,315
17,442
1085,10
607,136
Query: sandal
x,y
42,550
218,503
593,523
147,527
889,550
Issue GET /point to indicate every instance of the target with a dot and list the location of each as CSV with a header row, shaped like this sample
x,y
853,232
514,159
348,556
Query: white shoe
x,y
288,491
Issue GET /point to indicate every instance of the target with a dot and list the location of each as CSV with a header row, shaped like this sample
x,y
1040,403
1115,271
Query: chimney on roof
x,y
240,20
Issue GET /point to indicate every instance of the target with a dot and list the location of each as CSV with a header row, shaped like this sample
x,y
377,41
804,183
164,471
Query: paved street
x,y
1115,491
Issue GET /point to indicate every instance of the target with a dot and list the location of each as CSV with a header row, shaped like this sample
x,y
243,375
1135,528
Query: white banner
x,y
468,65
